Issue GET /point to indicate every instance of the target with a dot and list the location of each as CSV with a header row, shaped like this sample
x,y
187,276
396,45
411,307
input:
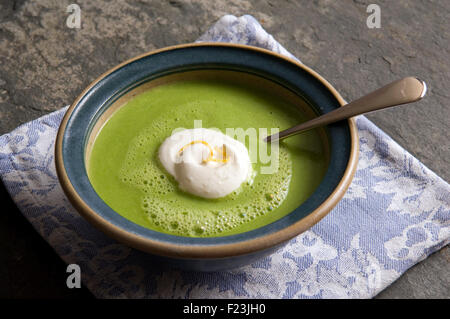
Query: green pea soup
x,y
124,168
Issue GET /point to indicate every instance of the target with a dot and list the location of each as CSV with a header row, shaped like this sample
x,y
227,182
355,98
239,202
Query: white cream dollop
x,y
205,162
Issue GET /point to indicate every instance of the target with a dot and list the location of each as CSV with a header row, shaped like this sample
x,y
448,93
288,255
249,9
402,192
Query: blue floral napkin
x,y
395,213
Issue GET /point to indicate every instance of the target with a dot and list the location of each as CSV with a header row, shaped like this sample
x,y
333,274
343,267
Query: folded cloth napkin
x,y
395,213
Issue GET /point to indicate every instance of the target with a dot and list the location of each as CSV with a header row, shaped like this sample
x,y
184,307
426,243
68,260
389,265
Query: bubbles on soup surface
x,y
171,214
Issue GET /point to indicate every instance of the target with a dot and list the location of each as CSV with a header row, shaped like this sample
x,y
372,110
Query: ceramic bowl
x,y
278,74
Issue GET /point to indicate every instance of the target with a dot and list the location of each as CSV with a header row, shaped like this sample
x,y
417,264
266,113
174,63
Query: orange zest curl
x,y
221,151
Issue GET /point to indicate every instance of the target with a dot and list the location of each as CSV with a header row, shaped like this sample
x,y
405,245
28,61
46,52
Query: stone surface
x,y
44,65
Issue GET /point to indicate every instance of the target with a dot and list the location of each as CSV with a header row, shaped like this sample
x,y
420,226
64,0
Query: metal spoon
x,y
402,91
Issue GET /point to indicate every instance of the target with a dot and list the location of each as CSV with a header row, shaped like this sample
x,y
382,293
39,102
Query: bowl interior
x,y
280,76
236,77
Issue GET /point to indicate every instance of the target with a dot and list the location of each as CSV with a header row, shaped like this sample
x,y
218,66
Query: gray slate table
x,y
44,65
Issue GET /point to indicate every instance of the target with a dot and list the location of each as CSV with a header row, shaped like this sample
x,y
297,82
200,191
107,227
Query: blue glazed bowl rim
x,y
87,108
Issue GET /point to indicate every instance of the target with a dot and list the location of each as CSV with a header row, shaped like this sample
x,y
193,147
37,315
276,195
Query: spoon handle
x,y
402,91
